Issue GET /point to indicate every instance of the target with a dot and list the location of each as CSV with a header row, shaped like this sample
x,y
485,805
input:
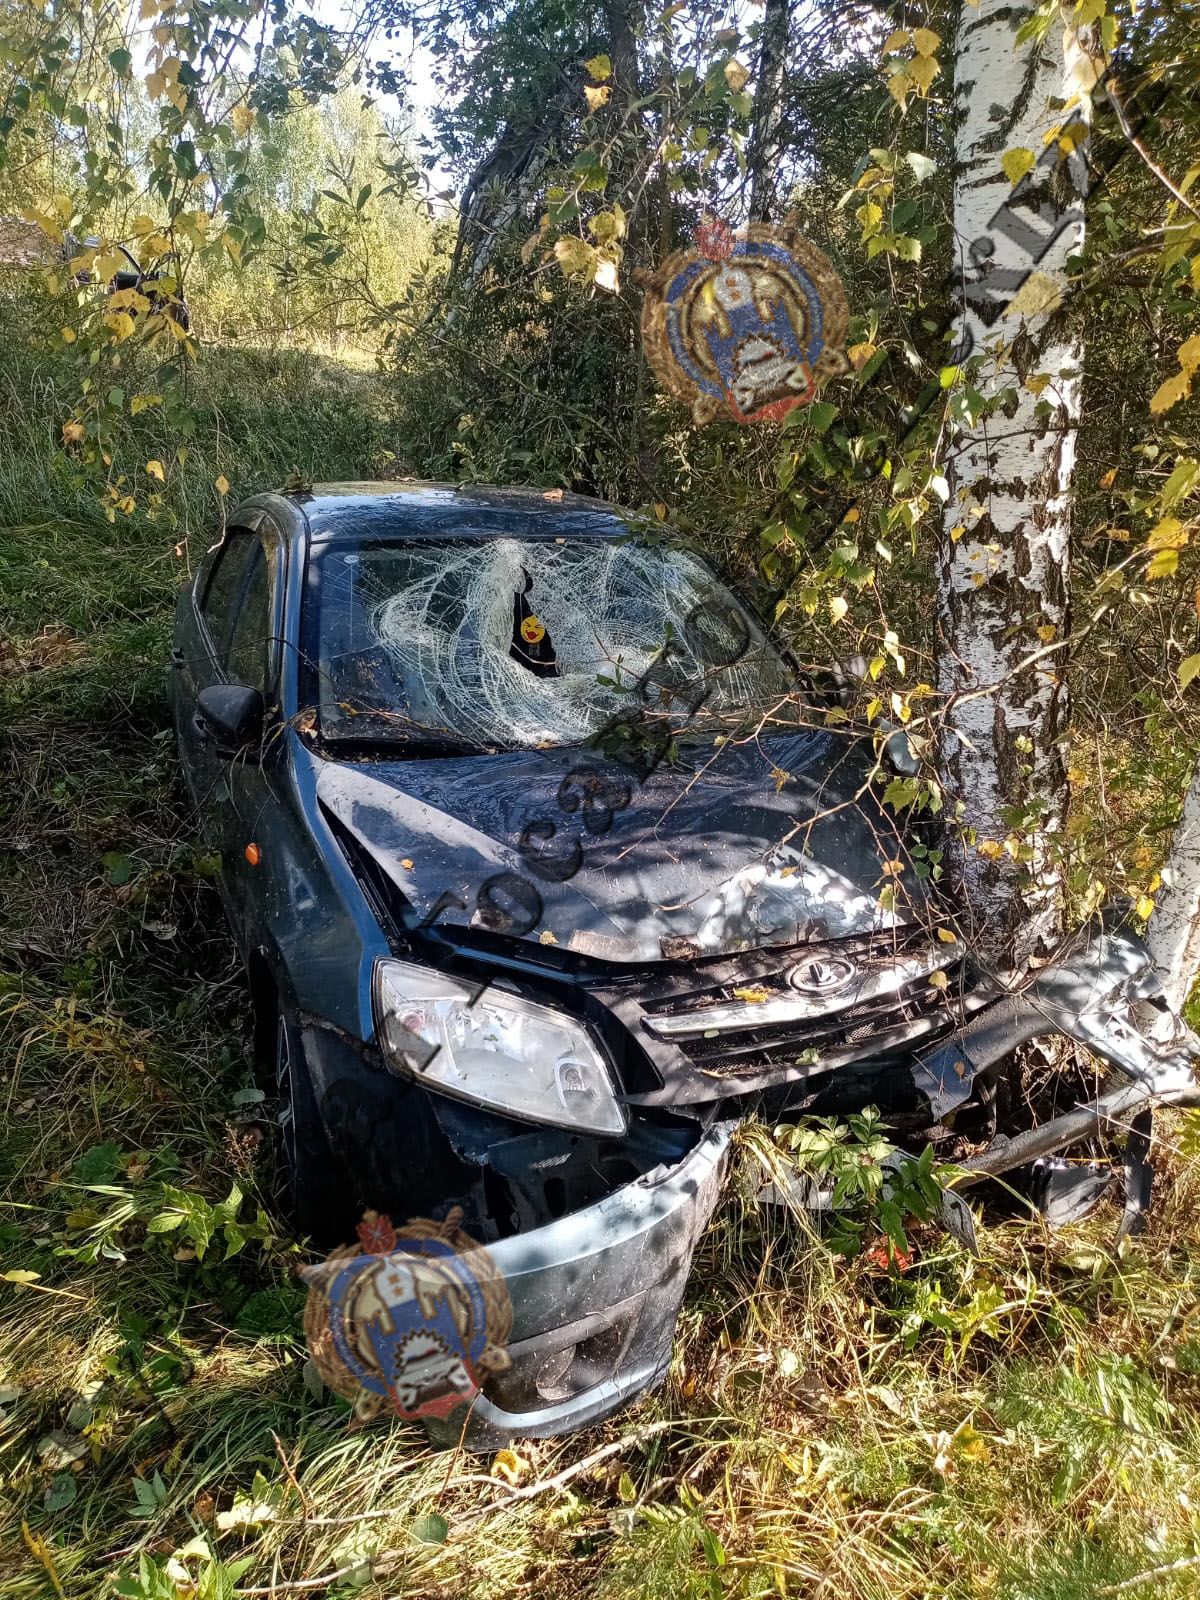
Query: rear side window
x,y
224,585
246,661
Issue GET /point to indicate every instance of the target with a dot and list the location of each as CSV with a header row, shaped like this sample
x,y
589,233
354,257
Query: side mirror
x,y
233,711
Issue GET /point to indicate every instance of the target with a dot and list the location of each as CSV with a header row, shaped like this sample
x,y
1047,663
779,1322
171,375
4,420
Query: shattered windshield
x,y
511,643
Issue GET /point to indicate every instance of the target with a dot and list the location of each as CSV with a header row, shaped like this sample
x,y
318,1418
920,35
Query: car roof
x,y
419,509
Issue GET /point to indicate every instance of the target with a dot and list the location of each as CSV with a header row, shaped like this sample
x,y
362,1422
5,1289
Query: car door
x,y
250,790
235,641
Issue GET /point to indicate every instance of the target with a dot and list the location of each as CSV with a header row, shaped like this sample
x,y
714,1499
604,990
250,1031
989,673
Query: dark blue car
x,y
547,866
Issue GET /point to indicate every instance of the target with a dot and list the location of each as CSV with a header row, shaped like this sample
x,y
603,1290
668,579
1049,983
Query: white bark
x,y
765,145
1004,567
1173,934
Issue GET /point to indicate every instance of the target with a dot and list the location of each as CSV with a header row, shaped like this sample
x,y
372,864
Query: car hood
x,y
773,842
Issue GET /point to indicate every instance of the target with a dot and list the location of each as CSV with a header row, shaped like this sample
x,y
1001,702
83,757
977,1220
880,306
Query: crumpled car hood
x,y
743,846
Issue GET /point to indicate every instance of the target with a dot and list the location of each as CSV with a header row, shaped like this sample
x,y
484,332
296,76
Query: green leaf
x,y
118,868
120,61
431,1528
98,1164
822,414
61,1490
599,67
1188,668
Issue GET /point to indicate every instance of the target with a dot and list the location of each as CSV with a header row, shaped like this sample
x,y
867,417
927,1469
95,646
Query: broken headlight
x,y
492,1048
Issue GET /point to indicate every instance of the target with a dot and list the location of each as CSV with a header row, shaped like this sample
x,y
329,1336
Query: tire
x,y
317,1192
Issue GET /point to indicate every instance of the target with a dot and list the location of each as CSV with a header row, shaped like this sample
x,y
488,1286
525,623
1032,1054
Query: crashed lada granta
x,y
547,868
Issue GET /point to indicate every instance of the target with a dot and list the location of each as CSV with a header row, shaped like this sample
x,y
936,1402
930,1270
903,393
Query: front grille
x,y
891,1026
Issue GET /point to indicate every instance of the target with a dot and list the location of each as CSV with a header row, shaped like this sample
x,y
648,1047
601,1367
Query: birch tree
x,y
1004,574
765,146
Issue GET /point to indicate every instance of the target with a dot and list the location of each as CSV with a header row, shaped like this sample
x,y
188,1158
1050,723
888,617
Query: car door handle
x,y
177,659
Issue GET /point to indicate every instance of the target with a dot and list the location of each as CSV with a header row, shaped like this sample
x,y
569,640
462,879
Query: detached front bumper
x,y
595,1297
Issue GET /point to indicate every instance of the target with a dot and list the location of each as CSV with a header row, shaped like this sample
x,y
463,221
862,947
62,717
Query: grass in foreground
x,y
1025,1426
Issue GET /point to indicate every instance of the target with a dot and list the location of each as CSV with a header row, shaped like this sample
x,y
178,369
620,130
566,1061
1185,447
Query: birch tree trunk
x,y
1173,934
765,145
1004,570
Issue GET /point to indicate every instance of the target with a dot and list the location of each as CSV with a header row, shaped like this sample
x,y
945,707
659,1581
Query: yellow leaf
x,y
509,1465
1017,163
1038,382
222,484
607,225
896,42
108,265
177,96
1165,535
72,432
860,354
939,980
957,532
1046,633
1189,354
546,937
754,996
1036,296
736,76
946,936
143,402
1171,392
156,85
596,97
599,67
573,255
242,117
925,41
1144,906
1109,478
68,335
128,300
838,607
233,248
153,246
892,869
155,469
990,849
1188,668
121,323
1163,564
899,86
852,515
923,70
605,275
125,506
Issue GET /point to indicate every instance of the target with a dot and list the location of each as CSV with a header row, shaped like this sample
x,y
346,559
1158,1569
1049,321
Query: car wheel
x,y
316,1193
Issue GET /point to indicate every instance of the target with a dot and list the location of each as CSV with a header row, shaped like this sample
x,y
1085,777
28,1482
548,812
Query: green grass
x,y
1025,1426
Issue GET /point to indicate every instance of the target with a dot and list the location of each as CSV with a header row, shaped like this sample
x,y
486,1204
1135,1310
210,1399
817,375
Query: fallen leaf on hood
x,y
752,996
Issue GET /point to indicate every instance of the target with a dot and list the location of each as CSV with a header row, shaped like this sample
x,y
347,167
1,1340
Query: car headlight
x,y
492,1048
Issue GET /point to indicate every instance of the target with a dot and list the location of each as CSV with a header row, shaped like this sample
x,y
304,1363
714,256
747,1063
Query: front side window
x,y
249,639
224,585
511,643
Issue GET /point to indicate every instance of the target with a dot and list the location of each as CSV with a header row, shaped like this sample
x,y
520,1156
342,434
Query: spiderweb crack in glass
x,y
442,614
